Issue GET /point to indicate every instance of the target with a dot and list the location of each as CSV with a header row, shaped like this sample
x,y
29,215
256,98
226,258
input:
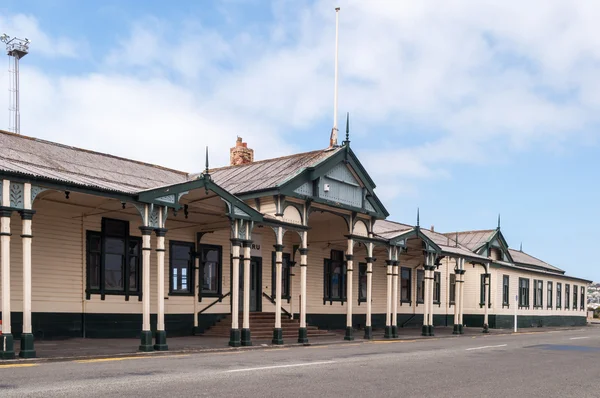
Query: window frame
x,y
481,290
538,287
362,273
408,286
582,303
328,275
125,266
558,295
191,272
506,291
549,294
452,290
420,298
200,250
286,272
437,288
524,293
567,296
575,297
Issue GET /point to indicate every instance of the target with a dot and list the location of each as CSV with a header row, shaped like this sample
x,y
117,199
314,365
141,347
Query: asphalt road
x,y
546,364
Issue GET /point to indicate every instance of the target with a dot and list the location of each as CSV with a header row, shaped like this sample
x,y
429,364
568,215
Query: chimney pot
x,y
240,153
432,230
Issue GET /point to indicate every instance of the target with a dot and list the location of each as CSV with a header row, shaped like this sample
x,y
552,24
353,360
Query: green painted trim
x,y
277,336
27,349
425,330
302,336
368,333
430,330
387,334
456,329
160,341
246,338
7,346
235,339
394,331
146,341
349,334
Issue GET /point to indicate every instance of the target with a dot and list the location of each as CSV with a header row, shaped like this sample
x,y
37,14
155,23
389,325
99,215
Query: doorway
x,y
255,285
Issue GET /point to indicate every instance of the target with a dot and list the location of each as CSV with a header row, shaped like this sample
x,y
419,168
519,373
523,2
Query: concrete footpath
x,y
79,348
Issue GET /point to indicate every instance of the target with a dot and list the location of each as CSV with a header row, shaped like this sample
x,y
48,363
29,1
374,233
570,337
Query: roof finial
x,y
521,248
418,217
498,220
347,128
206,168
456,239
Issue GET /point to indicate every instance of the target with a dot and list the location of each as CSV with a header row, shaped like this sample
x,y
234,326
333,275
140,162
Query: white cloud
x,y
520,75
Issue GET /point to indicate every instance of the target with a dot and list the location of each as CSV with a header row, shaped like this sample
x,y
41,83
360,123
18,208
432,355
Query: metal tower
x,y
16,49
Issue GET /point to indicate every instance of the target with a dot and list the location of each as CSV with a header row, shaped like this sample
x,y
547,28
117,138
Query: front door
x,y
255,285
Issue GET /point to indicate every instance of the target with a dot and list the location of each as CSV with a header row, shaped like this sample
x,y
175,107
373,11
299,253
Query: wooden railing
x,y
272,300
214,302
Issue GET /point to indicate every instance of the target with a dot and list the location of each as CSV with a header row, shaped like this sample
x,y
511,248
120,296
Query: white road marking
x,y
281,366
578,338
486,346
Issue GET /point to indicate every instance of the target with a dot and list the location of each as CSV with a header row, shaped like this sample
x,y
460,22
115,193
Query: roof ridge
x,y
56,144
265,160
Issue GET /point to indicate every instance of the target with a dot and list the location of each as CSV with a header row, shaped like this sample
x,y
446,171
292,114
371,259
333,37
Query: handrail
x,y
272,300
408,320
214,302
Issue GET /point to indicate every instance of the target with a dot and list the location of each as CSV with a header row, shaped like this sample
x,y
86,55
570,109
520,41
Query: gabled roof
x,y
266,174
388,229
472,240
32,157
520,257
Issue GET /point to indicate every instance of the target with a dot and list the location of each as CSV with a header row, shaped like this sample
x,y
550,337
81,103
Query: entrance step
x,y
261,327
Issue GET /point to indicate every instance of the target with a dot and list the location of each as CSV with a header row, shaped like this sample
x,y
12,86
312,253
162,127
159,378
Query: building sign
x,y
256,248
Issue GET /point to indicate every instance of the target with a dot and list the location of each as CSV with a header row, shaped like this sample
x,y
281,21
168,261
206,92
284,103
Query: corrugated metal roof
x,y
472,239
524,258
389,229
61,163
269,173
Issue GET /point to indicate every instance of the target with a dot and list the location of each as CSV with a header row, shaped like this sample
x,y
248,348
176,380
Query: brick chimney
x,y
240,153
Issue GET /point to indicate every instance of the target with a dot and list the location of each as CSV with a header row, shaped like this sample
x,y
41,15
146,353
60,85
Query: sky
x,y
465,110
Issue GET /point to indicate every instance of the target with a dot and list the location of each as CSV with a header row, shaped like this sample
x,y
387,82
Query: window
x,y
538,290
558,295
405,285
334,288
113,260
285,275
549,298
574,297
420,286
211,258
482,290
523,293
181,265
362,282
567,296
582,301
505,291
452,293
496,253
437,279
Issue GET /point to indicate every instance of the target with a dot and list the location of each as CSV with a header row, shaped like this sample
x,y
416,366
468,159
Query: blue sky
x,y
465,110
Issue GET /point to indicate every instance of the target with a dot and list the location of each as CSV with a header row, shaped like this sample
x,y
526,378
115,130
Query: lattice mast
x,y
15,49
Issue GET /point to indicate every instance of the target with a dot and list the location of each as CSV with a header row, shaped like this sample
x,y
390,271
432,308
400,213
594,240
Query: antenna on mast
x,y
334,130
17,49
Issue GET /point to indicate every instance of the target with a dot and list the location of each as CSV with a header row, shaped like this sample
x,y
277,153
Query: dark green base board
x,y
394,331
424,330
160,341
246,338
456,329
302,336
7,347
27,350
277,336
387,332
524,321
368,333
